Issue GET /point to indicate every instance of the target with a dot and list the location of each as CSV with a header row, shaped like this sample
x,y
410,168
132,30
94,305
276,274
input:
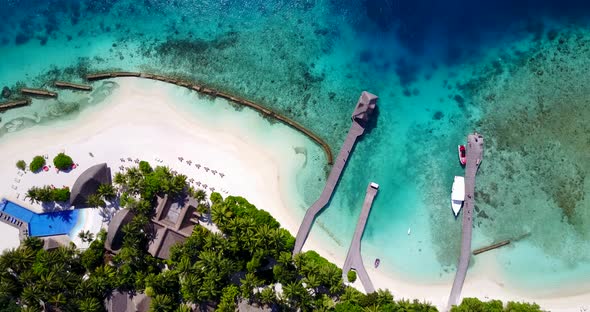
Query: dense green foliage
x,y
48,194
476,305
21,164
248,258
37,163
63,161
30,275
351,275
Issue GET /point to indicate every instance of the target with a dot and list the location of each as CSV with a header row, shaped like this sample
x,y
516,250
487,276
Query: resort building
x,y
364,108
126,302
87,184
173,223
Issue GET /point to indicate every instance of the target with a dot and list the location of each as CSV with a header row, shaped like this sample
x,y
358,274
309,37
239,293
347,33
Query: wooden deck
x,y
474,159
353,258
360,119
355,131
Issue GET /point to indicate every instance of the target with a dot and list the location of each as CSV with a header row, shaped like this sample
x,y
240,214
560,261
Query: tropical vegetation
x,y
21,164
48,194
37,163
63,161
245,258
104,193
351,275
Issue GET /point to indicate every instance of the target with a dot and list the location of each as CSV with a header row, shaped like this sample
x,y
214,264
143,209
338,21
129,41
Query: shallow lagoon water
x,y
441,71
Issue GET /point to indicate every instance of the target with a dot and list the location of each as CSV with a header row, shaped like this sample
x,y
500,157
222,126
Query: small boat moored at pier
x,y
457,195
462,155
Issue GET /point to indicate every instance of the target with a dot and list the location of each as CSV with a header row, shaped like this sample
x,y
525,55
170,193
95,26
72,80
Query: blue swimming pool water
x,y
46,224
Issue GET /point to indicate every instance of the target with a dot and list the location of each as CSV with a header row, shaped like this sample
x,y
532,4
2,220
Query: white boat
x,y
457,195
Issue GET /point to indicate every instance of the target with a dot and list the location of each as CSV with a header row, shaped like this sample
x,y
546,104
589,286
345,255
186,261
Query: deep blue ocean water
x,y
512,70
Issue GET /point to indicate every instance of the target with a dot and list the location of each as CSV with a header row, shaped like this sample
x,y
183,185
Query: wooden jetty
x,y
14,104
360,118
490,247
215,93
70,85
500,244
38,92
353,258
474,159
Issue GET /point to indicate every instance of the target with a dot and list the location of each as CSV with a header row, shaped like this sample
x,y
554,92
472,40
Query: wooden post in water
x,y
38,92
14,104
490,247
69,85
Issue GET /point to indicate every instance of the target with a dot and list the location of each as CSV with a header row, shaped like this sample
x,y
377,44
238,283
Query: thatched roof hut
x,y
364,107
115,233
87,184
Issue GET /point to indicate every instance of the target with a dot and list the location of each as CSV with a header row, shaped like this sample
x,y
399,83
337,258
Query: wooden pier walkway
x,y
360,118
474,159
353,258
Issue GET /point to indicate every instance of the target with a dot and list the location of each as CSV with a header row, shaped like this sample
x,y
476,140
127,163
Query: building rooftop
x,y
172,223
87,184
364,108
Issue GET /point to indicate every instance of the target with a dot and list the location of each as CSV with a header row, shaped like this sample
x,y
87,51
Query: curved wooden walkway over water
x,y
474,158
360,117
353,258
216,93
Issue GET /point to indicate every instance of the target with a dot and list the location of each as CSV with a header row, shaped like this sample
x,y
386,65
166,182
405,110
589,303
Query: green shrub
x,y
21,164
47,194
60,195
37,163
63,161
351,275
145,167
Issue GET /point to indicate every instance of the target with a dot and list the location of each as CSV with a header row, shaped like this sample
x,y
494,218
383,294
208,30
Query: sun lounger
x,y
14,187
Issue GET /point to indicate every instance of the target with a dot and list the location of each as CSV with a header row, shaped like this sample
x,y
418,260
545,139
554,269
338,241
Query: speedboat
x,y
462,155
457,195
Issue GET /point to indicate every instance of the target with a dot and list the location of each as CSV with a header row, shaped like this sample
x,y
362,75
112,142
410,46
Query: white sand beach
x,y
142,120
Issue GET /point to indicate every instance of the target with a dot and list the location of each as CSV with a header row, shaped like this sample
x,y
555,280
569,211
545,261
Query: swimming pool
x,y
45,224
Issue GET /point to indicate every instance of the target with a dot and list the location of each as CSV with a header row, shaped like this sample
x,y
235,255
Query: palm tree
x,y
248,284
200,195
57,300
220,214
86,236
120,178
90,305
268,295
183,308
32,194
162,303
95,201
312,282
106,191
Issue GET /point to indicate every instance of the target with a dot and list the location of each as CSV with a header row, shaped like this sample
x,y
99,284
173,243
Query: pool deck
x,y
353,258
474,158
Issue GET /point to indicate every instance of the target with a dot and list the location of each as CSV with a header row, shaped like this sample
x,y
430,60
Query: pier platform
x,y
353,258
474,159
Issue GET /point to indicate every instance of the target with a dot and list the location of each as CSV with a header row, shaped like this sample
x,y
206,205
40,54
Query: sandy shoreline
x,y
141,120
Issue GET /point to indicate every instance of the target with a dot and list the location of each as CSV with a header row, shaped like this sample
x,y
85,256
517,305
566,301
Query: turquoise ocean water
x,y
514,71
